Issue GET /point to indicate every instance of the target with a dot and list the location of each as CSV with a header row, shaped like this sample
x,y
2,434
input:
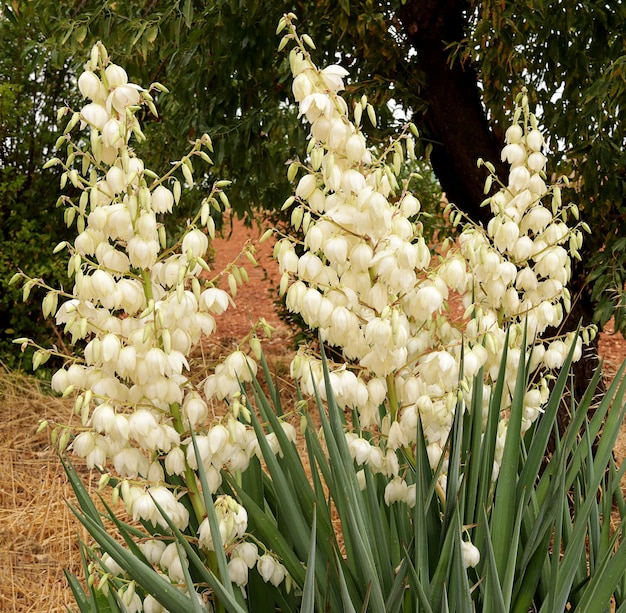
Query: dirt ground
x,y
255,298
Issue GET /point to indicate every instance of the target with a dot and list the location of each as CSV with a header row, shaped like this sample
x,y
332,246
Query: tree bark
x,y
455,117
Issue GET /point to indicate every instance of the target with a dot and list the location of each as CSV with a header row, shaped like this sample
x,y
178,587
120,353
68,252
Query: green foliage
x,y
30,90
544,530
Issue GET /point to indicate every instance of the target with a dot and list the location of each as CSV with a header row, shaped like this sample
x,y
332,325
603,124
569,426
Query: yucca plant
x,y
425,484
549,530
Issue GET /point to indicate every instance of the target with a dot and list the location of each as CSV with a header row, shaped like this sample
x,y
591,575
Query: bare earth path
x,y
257,297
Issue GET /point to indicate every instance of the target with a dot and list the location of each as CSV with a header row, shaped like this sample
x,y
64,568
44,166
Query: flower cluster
x,y
365,278
139,305
139,309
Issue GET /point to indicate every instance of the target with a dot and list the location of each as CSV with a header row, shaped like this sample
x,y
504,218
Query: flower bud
x,y
90,86
95,115
115,75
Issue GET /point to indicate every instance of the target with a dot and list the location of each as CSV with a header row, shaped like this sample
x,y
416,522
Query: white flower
x,y
112,133
240,366
434,452
428,300
144,508
534,140
439,367
302,86
470,553
396,437
95,115
271,570
248,552
519,178
104,284
153,550
514,154
162,200
175,462
536,161
396,491
316,105
195,408
142,253
151,605
111,565
514,134
355,148
332,76
555,354
238,571
197,242
103,418
214,300
306,186
359,449
90,86
146,226
124,96
84,444
115,75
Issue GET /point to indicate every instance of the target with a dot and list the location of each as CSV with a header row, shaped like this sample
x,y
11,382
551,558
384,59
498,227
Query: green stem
x,y
147,284
190,476
392,396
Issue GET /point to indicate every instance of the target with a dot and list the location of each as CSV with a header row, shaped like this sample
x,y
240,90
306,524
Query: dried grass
x,y
38,532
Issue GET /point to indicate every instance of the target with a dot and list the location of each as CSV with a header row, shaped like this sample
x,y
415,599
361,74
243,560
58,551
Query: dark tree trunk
x,y
455,117
458,126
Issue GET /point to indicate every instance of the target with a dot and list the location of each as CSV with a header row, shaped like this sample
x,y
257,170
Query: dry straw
x,y
38,533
